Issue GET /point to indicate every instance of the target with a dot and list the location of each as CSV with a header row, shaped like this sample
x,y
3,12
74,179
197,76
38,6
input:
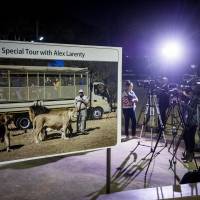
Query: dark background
x,y
133,25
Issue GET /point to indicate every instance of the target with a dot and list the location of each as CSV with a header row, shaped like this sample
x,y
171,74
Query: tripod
x,y
175,106
143,110
173,160
150,116
174,113
154,104
187,127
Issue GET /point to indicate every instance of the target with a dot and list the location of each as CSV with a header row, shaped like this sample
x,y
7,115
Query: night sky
x,y
134,25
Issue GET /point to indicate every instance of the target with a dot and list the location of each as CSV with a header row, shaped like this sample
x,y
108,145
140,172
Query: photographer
x,y
129,100
163,97
190,119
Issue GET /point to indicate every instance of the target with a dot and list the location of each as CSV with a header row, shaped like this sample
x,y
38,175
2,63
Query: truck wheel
x,y
24,123
97,113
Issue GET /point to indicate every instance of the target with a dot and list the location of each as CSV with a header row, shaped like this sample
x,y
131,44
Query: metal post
x,y
75,86
38,80
59,86
38,86
87,83
9,85
44,95
108,170
27,85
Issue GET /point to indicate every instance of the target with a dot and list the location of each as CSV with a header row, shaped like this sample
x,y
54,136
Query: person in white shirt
x,y
81,103
129,100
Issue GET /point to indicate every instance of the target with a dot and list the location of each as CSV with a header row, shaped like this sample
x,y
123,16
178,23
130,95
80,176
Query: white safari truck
x,y
53,87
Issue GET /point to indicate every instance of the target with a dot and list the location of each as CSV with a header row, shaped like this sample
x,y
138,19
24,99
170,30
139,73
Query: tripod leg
x,y
164,137
160,119
168,113
142,129
181,136
151,139
177,145
145,121
140,115
182,123
161,133
169,110
153,151
171,144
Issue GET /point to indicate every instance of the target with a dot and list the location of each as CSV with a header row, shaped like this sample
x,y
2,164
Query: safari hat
x,y
80,91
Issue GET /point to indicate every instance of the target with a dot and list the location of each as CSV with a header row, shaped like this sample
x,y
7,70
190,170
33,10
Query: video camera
x,y
147,83
156,86
190,83
176,90
173,89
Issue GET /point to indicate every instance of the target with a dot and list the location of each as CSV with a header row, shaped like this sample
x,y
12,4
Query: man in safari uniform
x,y
81,102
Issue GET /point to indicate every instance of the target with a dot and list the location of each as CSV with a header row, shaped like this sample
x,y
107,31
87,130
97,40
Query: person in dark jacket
x,y
191,122
163,98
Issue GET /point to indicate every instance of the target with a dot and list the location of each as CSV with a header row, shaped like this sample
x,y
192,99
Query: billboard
x,y
58,99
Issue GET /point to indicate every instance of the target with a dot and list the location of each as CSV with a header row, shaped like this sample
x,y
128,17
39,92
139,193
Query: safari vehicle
x,y
53,87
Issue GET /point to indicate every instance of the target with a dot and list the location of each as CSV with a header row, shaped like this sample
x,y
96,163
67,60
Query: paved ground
x,y
83,176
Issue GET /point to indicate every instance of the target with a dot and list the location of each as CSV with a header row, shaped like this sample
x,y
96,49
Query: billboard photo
x,y
58,99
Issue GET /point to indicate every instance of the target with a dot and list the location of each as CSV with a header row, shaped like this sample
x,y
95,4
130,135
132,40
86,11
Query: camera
x,y
190,83
147,83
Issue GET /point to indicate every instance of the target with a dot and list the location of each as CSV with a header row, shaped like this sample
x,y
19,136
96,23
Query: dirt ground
x,y
101,133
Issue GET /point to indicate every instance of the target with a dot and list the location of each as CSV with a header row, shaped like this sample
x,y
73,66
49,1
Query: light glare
x,y
172,50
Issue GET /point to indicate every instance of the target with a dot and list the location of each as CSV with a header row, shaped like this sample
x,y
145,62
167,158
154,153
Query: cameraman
x,y
129,100
191,122
163,97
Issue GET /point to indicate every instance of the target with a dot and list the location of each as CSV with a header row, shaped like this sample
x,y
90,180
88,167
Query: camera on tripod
x,y
147,83
174,91
191,83
154,86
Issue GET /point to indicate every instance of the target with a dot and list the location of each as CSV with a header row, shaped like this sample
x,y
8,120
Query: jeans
x,y
129,114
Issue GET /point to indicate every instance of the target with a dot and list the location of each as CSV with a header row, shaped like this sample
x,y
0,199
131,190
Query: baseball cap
x,y
80,91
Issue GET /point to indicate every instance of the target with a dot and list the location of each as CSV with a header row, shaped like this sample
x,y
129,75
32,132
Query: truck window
x,y
4,85
32,80
81,79
18,80
67,80
41,79
3,79
99,89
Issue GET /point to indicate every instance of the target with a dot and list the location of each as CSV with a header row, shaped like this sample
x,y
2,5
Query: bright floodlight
x,y
172,50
